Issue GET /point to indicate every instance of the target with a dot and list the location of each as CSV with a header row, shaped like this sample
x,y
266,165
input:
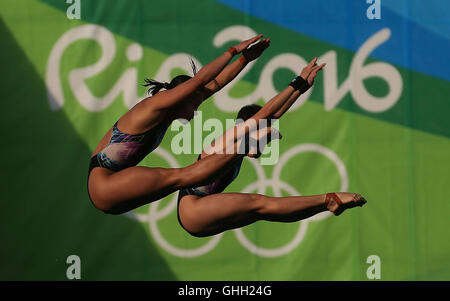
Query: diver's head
x,y
247,111
184,109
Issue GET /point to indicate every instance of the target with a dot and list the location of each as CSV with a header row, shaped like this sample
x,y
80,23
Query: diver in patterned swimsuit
x,y
115,184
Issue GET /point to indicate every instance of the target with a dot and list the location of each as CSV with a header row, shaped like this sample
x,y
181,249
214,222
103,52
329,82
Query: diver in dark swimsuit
x,y
205,210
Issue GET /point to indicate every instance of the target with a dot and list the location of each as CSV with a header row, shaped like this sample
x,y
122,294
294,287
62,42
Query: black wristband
x,y
300,84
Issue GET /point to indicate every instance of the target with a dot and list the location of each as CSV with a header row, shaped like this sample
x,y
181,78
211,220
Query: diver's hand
x,y
244,44
309,73
253,52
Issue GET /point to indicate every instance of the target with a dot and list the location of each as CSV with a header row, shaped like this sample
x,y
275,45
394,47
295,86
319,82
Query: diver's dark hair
x,y
156,86
248,111
244,114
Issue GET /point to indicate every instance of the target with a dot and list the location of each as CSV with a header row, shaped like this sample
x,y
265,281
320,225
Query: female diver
x,y
115,184
205,211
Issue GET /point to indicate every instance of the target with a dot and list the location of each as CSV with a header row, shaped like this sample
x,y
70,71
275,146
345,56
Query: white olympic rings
x,y
260,187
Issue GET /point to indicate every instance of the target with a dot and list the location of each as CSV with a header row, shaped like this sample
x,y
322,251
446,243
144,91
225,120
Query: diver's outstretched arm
x,y
279,104
152,110
308,73
233,69
273,109
169,98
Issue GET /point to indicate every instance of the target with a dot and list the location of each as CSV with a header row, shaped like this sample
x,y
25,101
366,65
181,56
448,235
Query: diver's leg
x,y
119,192
213,214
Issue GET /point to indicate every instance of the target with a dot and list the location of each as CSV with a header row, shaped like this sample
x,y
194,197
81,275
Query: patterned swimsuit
x,y
126,150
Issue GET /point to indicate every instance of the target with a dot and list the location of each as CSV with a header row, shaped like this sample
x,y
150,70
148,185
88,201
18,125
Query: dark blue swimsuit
x,y
216,187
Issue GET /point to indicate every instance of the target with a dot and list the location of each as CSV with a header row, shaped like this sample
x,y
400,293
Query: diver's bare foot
x,y
340,201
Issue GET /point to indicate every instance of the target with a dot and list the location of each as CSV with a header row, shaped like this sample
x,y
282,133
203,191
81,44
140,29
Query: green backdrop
x,y
393,151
